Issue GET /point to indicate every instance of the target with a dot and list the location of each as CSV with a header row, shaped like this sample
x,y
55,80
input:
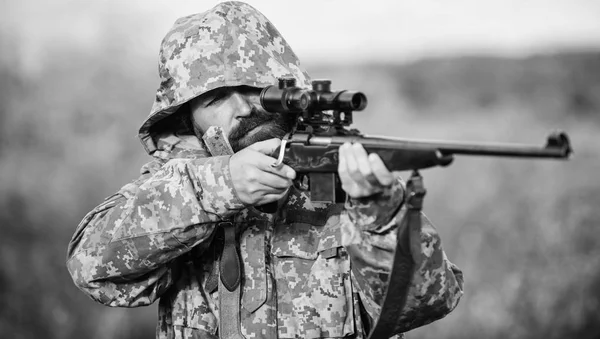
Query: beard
x,y
258,126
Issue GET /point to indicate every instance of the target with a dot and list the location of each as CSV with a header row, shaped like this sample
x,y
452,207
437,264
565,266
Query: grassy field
x,y
524,232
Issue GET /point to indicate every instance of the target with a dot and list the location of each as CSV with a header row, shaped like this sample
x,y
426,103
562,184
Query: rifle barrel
x,y
557,146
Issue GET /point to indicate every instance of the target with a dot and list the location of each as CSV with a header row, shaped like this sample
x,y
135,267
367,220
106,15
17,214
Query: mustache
x,y
256,118
270,125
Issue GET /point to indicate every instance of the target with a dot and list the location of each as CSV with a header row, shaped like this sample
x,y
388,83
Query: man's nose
x,y
243,104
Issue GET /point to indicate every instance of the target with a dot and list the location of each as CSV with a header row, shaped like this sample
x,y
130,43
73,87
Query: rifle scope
x,y
287,98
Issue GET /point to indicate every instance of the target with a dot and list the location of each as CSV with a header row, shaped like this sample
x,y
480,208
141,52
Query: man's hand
x,y
254,179
362,174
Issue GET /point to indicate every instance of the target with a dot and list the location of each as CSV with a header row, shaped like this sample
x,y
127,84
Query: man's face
x,y
238,111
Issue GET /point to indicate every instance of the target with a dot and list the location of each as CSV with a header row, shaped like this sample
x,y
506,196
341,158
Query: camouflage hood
x,y
230,45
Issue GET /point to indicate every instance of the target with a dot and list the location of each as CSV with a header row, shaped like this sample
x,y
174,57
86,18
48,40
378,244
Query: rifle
x,y
319,119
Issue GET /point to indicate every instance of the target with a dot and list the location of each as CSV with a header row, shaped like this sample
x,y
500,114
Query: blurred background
x,y
78,77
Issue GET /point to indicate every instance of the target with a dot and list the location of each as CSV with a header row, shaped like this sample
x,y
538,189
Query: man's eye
x,y
218,96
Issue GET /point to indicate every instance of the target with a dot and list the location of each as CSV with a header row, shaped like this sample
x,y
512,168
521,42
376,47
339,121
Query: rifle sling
x,y
406,261
229,285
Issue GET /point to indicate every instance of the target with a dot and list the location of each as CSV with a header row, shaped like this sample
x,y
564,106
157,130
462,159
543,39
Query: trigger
x,y
277,163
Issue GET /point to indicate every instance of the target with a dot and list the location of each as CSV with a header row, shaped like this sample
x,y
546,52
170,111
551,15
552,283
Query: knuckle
x,y
253,191
251,174
351,168
356,174
278,183
366,170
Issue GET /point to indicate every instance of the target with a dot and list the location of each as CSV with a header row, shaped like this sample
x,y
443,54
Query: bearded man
x,y
187,232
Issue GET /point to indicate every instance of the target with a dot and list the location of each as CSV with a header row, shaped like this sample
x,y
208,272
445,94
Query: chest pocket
x,y
312,271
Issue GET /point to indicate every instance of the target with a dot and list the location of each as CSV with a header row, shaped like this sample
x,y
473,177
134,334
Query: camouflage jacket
x,y
309,270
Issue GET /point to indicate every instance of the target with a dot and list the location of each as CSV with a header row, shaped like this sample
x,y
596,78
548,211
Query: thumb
x,y
266,146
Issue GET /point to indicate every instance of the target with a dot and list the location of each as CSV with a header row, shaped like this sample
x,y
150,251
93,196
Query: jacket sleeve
x,y
369,229
122,252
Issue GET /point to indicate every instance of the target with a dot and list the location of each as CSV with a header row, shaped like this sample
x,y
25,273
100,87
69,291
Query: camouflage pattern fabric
x,y
311,270
232,44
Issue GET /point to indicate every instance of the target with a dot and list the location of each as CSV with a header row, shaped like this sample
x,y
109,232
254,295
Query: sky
x,y
390,30
345,31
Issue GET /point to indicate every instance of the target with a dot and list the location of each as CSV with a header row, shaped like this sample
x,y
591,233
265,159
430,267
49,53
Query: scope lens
x,y
359,101
304,101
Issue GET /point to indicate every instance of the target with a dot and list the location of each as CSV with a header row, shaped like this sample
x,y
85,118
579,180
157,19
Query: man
x,y
187,231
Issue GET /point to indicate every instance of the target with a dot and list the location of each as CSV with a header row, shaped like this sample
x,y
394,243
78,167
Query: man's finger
x,y
272,181
342,157
364,165
380,171
265,163
267,198
284,171
353,157
267,147
345,178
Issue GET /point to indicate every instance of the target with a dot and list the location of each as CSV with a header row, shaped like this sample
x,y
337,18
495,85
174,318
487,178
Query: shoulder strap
x,y
406,260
